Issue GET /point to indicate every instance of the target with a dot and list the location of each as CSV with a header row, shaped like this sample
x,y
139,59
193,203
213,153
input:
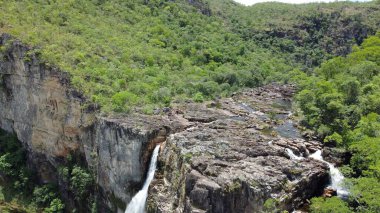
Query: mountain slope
x,y
309,33
146,54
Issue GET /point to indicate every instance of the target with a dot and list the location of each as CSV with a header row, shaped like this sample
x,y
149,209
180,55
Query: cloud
x,y
251,2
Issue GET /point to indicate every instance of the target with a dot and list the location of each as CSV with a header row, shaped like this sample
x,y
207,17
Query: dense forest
x,y
341,103
139,55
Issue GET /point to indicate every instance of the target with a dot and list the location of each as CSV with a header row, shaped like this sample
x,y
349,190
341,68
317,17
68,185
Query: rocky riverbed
x,y
232,157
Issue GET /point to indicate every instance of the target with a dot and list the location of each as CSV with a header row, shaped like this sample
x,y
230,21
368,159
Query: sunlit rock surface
x,y
232,157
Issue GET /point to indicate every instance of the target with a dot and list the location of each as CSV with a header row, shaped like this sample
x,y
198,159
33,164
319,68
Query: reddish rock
x,y
329,192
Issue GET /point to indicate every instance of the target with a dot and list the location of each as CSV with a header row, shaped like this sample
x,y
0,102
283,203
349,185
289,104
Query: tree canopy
x,y
141,54
341,103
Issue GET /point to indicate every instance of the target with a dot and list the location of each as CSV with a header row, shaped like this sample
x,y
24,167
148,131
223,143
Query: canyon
x,y
227,155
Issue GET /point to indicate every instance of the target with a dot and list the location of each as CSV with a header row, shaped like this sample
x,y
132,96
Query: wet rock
x,y
336,156
329,192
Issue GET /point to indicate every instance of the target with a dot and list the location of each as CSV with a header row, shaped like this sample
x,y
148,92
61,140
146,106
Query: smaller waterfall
x,y
336,176
137,204
292,155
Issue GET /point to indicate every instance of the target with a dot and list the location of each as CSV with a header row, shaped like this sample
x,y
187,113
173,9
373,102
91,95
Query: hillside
x,y
306,33
268,108
341,104
145,54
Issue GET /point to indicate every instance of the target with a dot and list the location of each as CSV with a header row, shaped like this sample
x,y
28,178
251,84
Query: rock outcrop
x,y
336,156
119,150
233,158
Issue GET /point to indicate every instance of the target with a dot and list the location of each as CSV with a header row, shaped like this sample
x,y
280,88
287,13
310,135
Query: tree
x,y
366,192
366,154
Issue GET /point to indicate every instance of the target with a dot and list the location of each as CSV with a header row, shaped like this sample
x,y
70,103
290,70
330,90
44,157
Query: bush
x,y
5,166
329,205
365,159
198,97
270,206
123,100
44,195
56,206
81,182
334,138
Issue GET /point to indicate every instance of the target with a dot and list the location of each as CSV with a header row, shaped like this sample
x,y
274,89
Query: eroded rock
x,y
230,164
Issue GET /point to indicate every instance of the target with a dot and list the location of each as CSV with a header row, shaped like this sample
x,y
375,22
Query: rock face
x,y
233,158
120,149
53,120
223,156
37,104
336,156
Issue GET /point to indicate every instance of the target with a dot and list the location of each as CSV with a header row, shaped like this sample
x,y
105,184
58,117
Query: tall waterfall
x,y
137,204
336,176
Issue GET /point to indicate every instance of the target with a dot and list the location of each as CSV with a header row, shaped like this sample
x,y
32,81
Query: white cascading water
x,y
292,155
137,204
336,175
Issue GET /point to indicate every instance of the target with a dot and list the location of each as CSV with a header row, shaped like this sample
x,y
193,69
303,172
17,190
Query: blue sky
x,y
251,2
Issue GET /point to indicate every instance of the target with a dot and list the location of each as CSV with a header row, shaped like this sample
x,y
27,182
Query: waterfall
x,y
137,204
292,155
336,176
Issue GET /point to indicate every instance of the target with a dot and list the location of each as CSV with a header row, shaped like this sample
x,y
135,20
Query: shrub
x,y
81,182
270,206
198,97
122,100
56,206
44,195
329,205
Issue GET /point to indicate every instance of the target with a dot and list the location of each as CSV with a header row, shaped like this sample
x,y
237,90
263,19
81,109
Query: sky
x,y
251,2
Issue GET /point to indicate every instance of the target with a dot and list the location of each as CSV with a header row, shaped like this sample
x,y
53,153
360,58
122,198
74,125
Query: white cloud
x,y
251,2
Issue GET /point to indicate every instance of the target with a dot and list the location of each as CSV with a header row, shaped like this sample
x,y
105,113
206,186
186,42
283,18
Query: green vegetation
x,y
341,103
138,55
80,183
235,185
18,189
308,33
329,205
270,206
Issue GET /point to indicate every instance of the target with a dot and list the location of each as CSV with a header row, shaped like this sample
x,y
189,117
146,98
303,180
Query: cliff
x,y
223,156
54,121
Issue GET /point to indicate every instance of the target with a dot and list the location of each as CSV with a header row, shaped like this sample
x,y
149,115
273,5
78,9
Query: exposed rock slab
x,y
231,163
